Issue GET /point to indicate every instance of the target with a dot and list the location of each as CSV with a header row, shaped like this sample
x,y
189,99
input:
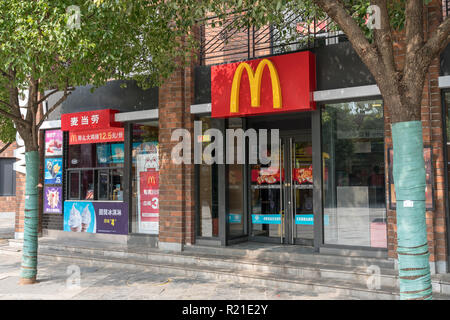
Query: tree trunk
x,y
30,241
410,181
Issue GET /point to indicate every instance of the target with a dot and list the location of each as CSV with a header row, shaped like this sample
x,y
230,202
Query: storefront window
x,y
208,191
145,178
354,179
95,171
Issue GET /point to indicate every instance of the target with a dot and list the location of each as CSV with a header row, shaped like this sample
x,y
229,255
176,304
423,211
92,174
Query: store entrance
x,y
281,203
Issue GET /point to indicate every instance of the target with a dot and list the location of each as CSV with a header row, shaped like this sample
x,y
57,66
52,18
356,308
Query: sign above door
x,y
276,84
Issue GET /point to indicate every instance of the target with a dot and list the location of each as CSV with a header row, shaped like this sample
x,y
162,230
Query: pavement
x,y
7,220
63,281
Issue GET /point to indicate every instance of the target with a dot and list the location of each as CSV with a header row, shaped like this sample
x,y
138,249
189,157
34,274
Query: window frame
x,y
3,181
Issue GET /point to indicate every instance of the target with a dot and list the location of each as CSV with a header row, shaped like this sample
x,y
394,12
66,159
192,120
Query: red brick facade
x,y
176,199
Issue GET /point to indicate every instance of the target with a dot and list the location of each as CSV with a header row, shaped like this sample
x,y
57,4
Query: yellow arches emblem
x,y
255,85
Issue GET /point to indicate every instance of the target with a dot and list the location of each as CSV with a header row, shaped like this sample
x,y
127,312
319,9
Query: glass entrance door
x,y
282,195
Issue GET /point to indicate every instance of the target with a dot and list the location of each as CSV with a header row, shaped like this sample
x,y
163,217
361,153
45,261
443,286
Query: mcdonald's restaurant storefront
x,y
326,189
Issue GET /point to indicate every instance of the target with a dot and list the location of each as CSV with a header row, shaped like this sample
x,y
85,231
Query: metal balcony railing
x,y
228,43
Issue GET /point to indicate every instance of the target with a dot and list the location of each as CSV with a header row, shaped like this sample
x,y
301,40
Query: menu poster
x,y
53,171
428,157
52,199
53,143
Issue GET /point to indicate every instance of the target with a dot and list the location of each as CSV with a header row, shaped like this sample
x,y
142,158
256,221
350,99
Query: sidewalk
x,y
7,220
112,283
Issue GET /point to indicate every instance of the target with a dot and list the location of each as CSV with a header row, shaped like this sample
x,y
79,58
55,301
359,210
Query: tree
x,y
53,46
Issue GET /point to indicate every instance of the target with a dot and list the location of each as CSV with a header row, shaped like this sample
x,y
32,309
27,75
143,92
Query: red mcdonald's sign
x,y
277,84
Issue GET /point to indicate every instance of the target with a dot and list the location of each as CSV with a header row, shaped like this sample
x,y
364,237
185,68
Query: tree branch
x,y
413,26
6,146
13,117
67,92
383,39
47,96
437,42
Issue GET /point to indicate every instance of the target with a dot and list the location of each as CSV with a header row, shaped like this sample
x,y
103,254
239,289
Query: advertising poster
x,y
103,153
117,153
79,217
53,143
149,201
147,165
52,200
96,217
53,171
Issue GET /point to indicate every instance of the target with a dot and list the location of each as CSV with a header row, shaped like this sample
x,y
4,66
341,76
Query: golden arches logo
x,y
255,85
151,180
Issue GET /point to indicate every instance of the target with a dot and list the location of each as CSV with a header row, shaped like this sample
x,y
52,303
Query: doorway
x,y
281,197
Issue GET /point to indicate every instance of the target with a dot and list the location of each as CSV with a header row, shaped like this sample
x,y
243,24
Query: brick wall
x,y
8,204
176,198
15,203
432,124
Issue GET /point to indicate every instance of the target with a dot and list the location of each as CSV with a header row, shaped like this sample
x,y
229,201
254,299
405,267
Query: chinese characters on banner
x,y
149,200
90,120
96,217
97,136
147,162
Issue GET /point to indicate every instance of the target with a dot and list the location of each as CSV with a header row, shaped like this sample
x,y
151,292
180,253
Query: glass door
x,y
267,201
282,196
299,191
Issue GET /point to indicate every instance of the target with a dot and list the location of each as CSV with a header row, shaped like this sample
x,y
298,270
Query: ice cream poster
x,y
96,217
53,171
53,143
79,217
52,200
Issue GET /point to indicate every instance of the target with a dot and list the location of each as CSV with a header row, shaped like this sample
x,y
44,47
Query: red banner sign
x,y
90,120
149,196
277,84
97,136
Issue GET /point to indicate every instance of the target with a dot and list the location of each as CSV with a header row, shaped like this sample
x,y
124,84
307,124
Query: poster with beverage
x,y
147,165
96,217
53,200
53,143
53,171
117,153
149,201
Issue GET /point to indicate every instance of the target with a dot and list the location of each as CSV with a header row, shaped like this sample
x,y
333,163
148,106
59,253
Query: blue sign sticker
x,y
308,219
234,218
266,218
